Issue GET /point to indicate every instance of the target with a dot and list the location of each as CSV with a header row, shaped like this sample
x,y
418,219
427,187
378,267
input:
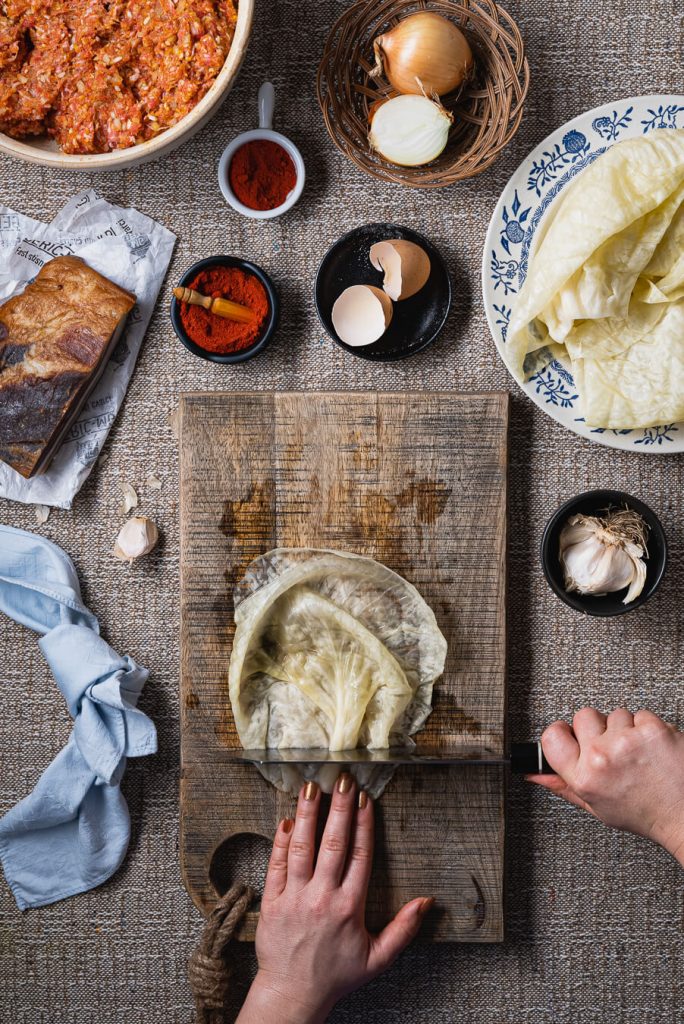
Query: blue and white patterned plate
x,y
529,193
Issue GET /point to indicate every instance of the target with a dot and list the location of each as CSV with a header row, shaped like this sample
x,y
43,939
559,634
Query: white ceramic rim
x,y
37,153
607,438
224,165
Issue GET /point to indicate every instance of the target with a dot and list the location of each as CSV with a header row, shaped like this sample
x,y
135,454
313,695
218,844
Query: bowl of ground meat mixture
x,y
105,84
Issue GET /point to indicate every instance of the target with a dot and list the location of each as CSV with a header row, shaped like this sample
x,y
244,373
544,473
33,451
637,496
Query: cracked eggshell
x,y
361,314
406,267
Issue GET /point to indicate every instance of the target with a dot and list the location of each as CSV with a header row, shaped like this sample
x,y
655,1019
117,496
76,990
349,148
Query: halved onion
x,y
410,130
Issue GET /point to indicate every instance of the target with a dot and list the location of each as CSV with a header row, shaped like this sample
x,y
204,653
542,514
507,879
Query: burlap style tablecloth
x,y
594,918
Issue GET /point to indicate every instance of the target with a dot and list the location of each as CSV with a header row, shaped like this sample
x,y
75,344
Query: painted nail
x,y
344,783
286,825
310,791
363,799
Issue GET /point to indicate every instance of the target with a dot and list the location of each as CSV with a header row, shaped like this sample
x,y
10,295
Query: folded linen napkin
x,y
71,833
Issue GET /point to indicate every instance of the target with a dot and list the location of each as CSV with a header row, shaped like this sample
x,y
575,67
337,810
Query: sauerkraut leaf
x,y
332,651
605,286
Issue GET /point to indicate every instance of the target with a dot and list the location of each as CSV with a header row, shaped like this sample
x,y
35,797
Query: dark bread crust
x,y
55,340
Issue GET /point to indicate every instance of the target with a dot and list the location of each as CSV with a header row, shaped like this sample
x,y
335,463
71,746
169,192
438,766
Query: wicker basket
x,y
487,111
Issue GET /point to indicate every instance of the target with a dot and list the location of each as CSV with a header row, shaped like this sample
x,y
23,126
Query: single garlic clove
x,y
42,514
137,537
406,267
361,314
639,579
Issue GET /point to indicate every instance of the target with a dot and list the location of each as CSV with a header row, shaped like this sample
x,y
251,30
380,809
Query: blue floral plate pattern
x,y
523,203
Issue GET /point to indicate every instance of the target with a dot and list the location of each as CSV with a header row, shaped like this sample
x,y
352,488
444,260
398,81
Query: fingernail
x,y
427,904
363,799
344,783
310,791
286,825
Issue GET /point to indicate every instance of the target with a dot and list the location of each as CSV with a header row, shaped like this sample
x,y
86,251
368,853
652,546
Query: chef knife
x,y
524,758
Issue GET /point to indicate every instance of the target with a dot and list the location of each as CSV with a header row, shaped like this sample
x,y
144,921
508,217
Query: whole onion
x,y
424,53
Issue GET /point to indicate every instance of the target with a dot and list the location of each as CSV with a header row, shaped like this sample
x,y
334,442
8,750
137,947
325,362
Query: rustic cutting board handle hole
x,y
241,857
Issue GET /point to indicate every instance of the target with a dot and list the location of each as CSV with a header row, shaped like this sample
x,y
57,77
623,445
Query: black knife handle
x,y
528,759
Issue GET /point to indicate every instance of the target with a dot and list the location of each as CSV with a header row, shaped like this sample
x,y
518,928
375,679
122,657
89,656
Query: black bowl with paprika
x,y
220,338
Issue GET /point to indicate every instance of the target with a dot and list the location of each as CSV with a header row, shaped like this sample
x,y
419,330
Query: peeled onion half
x,y
410,130
361,314
406,267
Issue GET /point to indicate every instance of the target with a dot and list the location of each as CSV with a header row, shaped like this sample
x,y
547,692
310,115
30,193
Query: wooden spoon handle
x,y
225,308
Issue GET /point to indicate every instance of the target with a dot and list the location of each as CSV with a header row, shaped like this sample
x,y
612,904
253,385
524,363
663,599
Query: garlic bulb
x,y
410,130
601,555
136,538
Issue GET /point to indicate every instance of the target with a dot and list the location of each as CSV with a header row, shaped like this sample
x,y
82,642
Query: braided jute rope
x,y
208,969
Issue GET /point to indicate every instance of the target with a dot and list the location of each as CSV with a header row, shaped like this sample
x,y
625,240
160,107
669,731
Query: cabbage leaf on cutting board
x,y
605,286
333,651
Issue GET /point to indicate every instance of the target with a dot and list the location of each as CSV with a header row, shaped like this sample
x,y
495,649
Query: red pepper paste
x,y
262,174
215,333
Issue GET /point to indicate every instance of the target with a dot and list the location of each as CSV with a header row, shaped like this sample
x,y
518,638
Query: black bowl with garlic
x,y
604,552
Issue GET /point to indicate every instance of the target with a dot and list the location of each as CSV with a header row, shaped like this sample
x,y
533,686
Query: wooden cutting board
x,y
417,481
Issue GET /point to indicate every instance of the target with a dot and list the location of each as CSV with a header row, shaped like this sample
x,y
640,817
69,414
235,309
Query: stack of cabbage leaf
x,y
332,651
605,286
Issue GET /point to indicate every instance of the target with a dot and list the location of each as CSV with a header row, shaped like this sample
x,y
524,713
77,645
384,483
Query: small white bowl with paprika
x,y
261,173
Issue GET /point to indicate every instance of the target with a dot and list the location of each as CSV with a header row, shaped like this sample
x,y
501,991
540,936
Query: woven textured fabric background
x,y
594,918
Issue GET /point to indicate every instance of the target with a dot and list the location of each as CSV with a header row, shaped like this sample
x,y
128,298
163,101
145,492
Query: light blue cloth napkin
x,y
71,833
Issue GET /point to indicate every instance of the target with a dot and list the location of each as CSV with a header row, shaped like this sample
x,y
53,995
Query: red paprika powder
x,y
215,333
262,174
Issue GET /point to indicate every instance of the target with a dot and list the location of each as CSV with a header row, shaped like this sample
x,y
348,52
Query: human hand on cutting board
x,y
311,943
627,770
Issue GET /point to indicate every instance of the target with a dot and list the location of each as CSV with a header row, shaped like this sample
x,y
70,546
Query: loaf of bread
x,y
55,340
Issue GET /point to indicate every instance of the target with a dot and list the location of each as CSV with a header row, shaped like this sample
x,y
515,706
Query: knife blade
x,y
524,758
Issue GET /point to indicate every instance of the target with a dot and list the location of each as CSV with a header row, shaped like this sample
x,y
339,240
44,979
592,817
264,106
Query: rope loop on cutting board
x,y
208,970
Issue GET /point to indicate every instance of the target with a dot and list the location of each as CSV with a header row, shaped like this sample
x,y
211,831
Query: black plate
x,y
594,503
416,322
269,327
